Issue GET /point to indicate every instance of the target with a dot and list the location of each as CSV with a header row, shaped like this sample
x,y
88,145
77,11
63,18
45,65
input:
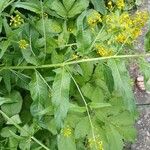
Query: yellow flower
x,y
120,38
74,56
140,18
45,15
70,29
102,51
136,33
94,18
23,44
120,4
67,132
96,143
110,5
16,21
125,21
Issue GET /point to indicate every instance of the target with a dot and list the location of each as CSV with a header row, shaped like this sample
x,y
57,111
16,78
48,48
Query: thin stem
x,y
86,106
21,129
74,62
44,80
96,38
122,46
31,46
44,32
7,5
68,45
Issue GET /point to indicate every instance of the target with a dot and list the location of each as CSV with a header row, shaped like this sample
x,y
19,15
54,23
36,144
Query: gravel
x,y
142,99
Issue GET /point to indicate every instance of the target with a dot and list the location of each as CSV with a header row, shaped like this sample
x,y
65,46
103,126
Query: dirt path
x,y
143,124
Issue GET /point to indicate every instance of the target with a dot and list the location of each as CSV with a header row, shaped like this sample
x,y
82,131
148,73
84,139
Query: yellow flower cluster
x,y
97,142
102,51
94,18
128,27
125,21
140,18
120,38
23,44
74,56
16,21
67,132
110,4
121,22
120,4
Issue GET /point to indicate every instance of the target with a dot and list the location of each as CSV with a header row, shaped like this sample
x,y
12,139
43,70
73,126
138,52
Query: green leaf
x,y
7,28
64,36
66,143
76,109
82,128
13,143
16,119
124,118
109,78
56,58
13,108
95,94
60,95
147,41
80,21
51,26
129,133
48,2
99,105
114,138
6,74
87,70
31,6
4,100
5,132
1,24
25,144
29,57
122,83
59,8
84,41
68,4
78,7
99,5
39,93
4,4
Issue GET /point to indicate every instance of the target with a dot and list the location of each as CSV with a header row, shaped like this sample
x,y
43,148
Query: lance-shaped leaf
x,y
99,5
13,103
60,95
114,138
78,7
122,83
32,6
66,142
39,94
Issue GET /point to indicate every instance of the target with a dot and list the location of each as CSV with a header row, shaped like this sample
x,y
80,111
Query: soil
x,y
142,98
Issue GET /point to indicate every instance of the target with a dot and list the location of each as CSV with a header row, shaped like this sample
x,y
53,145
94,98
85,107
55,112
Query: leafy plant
x,y
63,74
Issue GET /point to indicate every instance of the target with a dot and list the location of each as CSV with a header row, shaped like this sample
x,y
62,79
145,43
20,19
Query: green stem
x,y
74,62
87,109
21,129
44,30
96,38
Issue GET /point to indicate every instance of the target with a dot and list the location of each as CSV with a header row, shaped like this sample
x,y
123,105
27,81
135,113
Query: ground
x,y
142,99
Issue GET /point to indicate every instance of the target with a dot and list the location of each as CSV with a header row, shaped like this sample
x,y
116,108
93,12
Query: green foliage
x,y
62,87
147,41
60,95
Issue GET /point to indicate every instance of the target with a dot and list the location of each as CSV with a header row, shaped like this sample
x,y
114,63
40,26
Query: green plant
x,y
63,75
